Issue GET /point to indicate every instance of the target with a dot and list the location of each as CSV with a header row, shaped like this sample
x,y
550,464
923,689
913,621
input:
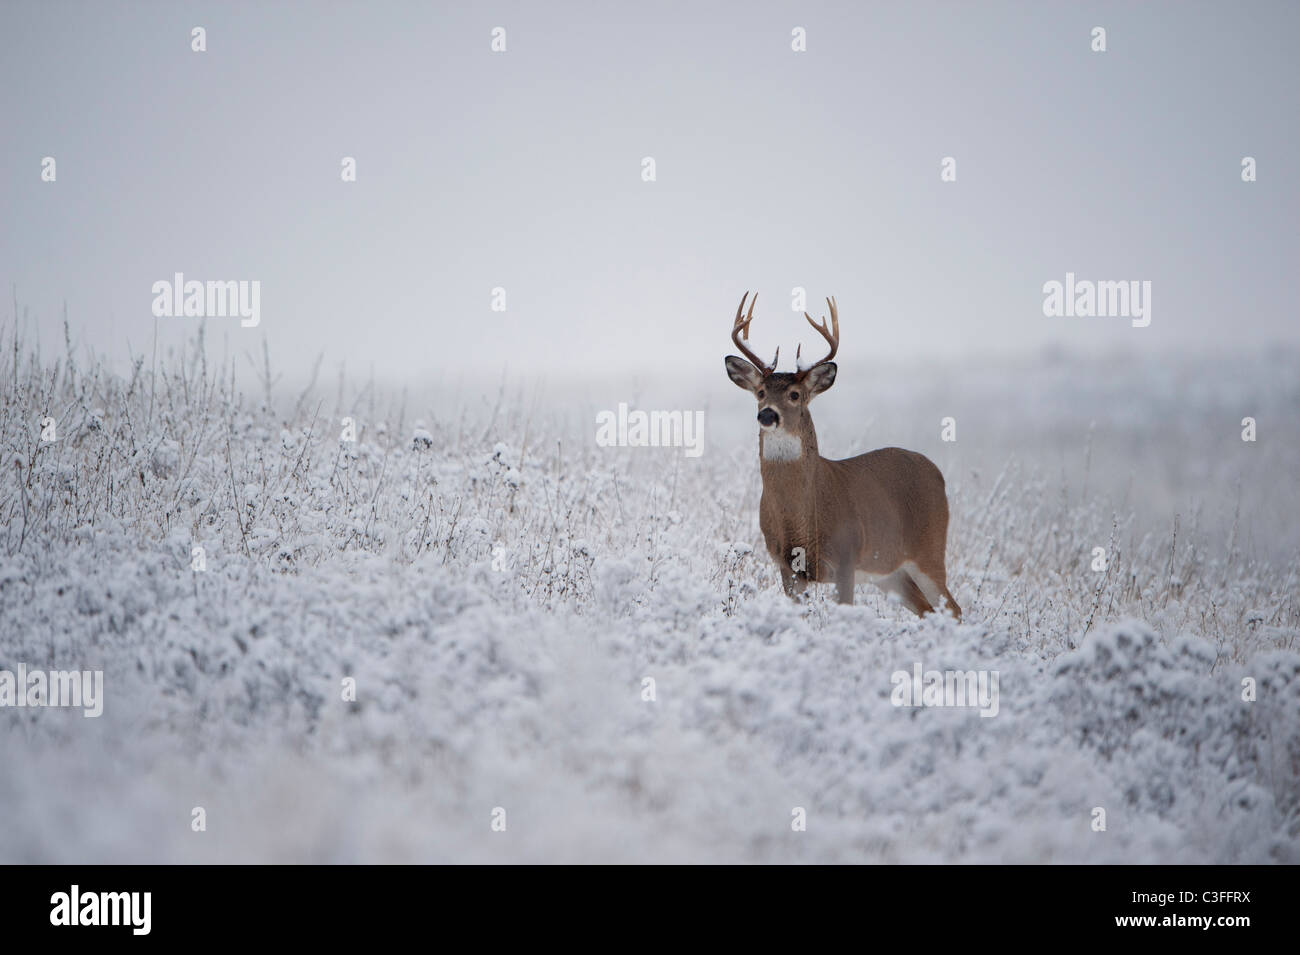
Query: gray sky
x,y
775,169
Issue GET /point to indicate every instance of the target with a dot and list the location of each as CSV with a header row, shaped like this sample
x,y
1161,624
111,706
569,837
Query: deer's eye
x,y
794,396
762,393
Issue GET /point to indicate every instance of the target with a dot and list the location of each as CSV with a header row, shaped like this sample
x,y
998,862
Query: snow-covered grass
x,y
500,588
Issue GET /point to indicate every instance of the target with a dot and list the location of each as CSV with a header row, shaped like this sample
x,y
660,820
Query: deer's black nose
x,y
767,417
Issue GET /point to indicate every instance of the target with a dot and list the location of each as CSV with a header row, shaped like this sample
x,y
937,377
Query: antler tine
x,y
740,335
830,332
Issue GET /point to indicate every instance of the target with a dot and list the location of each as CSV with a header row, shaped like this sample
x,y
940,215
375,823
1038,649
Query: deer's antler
x,y
831,334
740,335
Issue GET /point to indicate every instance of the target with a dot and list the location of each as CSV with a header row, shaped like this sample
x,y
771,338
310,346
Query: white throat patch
x,y
781,445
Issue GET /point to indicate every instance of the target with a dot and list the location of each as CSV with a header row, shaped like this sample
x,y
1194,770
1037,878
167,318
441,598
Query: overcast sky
x,y
774,168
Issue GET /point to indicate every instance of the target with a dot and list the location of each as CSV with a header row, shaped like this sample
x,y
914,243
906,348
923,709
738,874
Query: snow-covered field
x,y
500,587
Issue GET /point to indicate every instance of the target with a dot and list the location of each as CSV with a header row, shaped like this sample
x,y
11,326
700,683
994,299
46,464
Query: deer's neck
x,y
789,458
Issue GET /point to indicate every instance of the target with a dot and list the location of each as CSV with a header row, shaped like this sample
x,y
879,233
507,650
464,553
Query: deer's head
x,y
783,397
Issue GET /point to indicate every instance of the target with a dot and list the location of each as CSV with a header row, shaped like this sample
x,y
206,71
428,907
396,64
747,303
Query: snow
x,y
501,588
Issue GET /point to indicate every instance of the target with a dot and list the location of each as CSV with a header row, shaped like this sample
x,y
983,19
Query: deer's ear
x,y
744,374
820,377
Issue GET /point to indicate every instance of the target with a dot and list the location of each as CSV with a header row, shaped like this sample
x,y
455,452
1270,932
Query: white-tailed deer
x,y
883,514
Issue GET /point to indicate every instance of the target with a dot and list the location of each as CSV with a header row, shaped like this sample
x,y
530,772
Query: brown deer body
x,y
881,515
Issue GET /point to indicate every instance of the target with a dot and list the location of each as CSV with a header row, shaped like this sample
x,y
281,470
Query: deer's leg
x,y
952,604
845,574
793,582
794,563
914,596
900,582
843,546
787,579
933,581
